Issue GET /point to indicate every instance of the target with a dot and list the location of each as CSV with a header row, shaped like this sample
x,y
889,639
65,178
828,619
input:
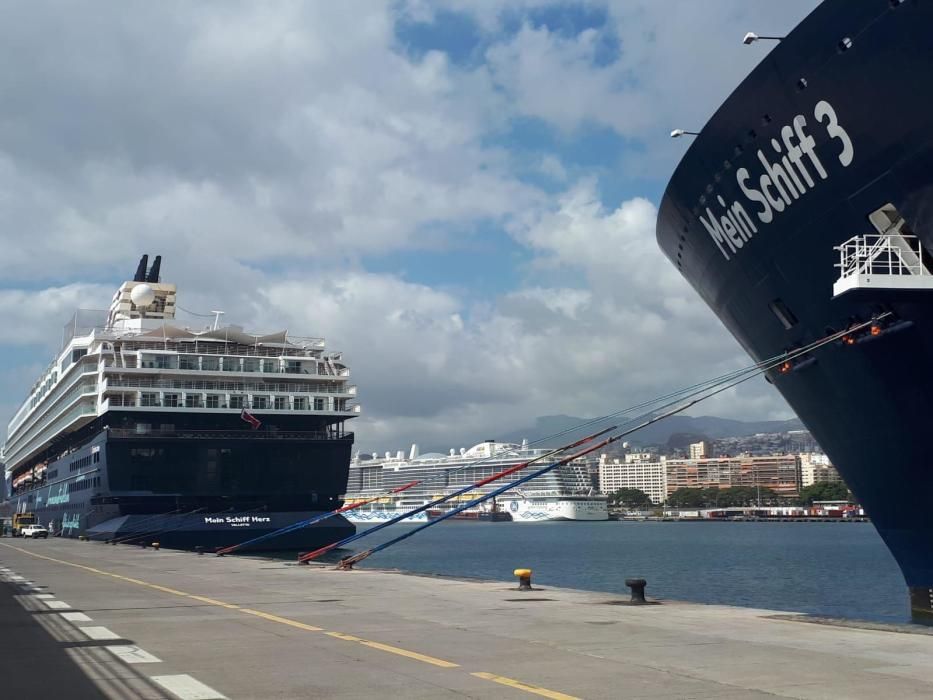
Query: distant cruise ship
x,y
566,493
140,428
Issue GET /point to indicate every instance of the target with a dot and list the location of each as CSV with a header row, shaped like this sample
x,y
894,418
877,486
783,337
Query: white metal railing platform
x,y
881,261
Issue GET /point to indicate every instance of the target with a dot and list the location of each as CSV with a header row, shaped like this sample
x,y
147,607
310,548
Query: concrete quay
x,y
84,620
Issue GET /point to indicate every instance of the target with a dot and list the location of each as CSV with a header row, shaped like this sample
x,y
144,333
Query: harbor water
x,y
832,569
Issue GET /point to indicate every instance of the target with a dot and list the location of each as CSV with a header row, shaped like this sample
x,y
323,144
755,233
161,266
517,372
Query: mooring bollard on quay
x,y
524,579
638,590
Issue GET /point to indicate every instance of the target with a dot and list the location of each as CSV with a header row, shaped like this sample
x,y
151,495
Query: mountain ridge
x,y
658,433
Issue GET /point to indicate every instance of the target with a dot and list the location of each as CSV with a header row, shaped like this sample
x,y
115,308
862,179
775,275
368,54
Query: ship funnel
x,y
413,454
153,275
140,275
400,455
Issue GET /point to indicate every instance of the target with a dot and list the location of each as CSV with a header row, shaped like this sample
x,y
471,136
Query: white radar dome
x,y
142,295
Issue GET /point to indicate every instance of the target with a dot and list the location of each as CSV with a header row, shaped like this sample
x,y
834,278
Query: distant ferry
x,y
803,210
566,493
141,428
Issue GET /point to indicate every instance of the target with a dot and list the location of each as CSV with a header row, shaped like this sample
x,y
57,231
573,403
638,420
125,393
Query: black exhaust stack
x,y
153,275
140,275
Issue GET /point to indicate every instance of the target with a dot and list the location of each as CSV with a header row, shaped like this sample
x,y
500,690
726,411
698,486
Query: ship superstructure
x,y
207,436
803,209
565,493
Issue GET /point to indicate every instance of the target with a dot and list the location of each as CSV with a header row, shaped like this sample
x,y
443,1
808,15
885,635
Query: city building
x,y
780,473
640,471
698,450
815,468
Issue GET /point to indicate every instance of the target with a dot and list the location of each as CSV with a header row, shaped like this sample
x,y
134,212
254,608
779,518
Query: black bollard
x,y
638,590
524,579
199,549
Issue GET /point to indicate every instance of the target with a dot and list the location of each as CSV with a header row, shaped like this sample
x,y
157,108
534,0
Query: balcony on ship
x,y
123,397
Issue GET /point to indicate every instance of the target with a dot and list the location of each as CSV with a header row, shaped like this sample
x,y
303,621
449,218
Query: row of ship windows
x,y
230,364
78,464
84,484
280,403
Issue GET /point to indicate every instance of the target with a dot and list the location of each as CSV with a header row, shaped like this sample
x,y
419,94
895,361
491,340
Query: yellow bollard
x,y
524,579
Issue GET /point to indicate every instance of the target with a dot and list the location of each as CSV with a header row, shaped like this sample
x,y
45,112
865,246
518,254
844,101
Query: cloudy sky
x,y
459,194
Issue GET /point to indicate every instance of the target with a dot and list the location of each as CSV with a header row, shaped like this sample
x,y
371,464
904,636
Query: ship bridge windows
x,y
78,353
210,364
187,362
783,314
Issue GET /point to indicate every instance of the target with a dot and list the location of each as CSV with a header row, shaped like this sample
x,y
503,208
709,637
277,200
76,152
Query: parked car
x,y
35,531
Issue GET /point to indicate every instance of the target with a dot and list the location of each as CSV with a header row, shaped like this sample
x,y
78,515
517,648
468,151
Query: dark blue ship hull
x,y
757,244
190,487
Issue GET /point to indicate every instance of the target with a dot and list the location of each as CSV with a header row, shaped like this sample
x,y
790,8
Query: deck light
x,y
677,133
751,38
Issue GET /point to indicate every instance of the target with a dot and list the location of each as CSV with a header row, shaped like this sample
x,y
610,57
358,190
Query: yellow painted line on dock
x,y
512,683
424,658
281,620
410,654
345,637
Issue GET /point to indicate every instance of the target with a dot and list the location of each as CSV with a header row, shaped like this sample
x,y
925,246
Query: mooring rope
x,y
692,390
348,562
459,492
495,455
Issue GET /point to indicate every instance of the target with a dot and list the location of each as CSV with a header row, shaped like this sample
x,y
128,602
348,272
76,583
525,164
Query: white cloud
x,y
557,79
267,150
37,317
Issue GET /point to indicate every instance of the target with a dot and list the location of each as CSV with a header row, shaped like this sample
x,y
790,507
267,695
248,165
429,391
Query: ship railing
x,y
130,363
884,261
247,434
881,254
231,386
220,347
115,402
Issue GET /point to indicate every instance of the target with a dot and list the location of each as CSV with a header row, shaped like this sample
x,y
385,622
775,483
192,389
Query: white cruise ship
x,y
565,493
205,436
